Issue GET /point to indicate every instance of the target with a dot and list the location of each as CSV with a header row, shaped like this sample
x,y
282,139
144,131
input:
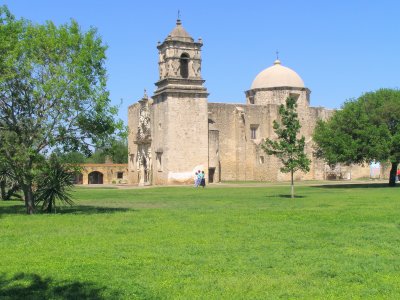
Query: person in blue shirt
x,y
202,179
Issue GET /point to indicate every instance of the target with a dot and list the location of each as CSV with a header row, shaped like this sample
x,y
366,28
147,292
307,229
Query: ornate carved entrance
x,y
143,140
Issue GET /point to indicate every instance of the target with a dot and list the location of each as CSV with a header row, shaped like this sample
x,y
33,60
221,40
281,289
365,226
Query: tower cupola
x,y
179,62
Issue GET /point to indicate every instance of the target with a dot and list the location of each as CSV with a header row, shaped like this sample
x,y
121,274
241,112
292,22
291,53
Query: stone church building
x,y
177,131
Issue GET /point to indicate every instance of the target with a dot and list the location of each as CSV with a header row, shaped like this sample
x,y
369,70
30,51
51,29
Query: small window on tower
x,y
120,175
261,159
253,131
184,65
159,161
251,99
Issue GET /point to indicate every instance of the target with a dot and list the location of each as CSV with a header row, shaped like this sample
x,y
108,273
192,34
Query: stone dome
x,y
277,76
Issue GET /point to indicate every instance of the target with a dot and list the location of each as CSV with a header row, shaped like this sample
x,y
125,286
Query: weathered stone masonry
x,y
177,132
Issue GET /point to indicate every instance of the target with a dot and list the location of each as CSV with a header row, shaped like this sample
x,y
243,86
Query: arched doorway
x,y
78,178
95,178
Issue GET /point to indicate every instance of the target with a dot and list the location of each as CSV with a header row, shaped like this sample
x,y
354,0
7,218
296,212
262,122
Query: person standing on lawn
x,y
202,179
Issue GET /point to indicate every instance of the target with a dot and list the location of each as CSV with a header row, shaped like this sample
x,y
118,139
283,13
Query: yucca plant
x,y
8,185
54,183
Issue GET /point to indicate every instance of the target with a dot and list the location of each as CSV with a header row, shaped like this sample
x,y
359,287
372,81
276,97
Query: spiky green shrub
x,y
54,183
8,185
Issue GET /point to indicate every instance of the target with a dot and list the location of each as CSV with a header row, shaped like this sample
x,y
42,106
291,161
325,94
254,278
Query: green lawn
x,y
332,242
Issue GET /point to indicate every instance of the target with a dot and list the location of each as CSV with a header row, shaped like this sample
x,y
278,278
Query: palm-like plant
x,y
54,183
8,185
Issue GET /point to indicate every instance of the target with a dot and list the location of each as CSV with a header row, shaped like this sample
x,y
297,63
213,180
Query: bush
x,y
54,183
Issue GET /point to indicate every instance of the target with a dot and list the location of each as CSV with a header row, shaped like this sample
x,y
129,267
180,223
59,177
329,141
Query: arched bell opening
x,y
184,65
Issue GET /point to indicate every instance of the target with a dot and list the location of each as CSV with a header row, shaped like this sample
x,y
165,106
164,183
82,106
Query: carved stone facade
x,y
143,142
184,133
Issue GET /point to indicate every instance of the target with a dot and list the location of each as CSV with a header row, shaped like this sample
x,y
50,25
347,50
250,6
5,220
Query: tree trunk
x,y
49,207
392,176
29,201
292,183
3,190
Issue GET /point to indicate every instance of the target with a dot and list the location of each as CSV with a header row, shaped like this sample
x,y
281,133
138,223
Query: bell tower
x,y
180,109
179,63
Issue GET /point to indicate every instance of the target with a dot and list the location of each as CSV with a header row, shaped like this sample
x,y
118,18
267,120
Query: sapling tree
x,y
288,148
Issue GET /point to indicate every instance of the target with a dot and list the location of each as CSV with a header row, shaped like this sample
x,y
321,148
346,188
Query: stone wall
x,y
242,128
185,140
179,139
109,173
182,141
133,122
160,127
213,155
278,95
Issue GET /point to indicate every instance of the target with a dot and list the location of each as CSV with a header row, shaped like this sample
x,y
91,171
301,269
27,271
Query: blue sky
x,y
341,49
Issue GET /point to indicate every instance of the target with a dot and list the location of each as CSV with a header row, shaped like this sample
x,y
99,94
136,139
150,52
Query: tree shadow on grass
x,y
352,186
75,209
34,287
88,209
285,196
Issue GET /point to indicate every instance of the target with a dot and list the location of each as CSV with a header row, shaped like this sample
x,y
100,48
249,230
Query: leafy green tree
x,y
97,157
119,151
52,94
73,157
365,129
288,148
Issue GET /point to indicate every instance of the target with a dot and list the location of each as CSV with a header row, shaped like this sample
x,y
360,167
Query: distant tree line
x,y
117,153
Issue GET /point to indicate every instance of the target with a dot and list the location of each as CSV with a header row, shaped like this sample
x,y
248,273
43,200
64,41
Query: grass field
x,y
331,242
